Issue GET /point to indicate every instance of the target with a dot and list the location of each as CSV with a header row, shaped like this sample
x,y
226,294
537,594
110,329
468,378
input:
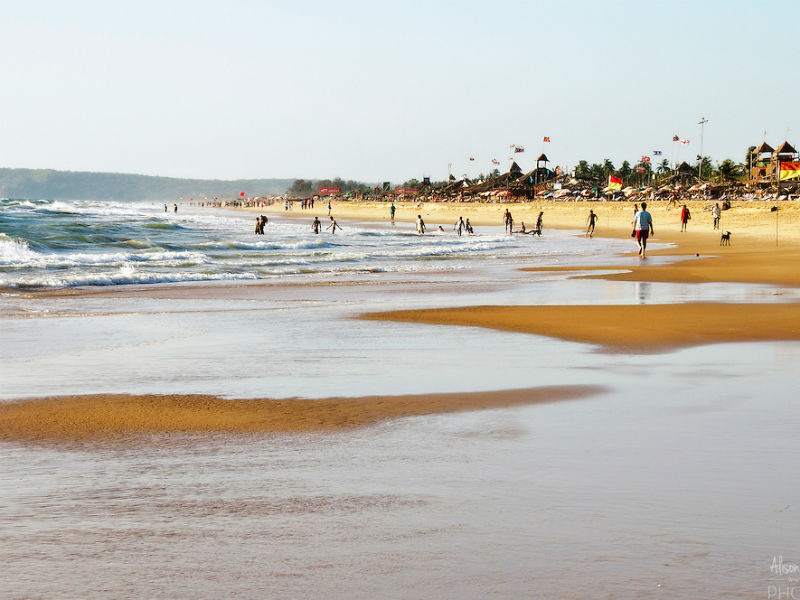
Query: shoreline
x,y
751,259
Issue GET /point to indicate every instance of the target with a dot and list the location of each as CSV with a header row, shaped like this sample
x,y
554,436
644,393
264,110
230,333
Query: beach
x,y
497,416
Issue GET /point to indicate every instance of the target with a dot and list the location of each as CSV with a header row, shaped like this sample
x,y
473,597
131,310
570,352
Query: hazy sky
x,y
387,91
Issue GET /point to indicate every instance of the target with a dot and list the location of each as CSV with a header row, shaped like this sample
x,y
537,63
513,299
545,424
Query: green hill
x,y
82,185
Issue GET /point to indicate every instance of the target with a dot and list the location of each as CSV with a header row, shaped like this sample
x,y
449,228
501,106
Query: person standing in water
x,y
459,226
642,228
539,223
508,220
420,225
468,227
591,223
165,208
176,208
316,225
333,226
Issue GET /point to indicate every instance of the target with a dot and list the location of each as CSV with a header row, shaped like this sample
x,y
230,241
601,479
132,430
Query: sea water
x,y
55,244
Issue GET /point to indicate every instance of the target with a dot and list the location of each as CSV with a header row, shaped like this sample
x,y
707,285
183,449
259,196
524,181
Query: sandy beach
x,y
765,249
480,430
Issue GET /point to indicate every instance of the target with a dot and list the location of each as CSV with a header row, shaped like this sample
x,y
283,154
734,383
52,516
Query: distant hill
x,y
83,185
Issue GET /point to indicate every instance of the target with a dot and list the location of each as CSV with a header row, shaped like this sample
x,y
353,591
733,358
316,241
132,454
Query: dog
x,y
725,239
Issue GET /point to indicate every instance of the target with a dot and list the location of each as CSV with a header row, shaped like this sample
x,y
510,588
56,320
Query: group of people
x,y
304,204
316,225
508,222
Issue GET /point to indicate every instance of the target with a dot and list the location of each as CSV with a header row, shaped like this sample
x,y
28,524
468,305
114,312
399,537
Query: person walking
x,y
591,223
715,213
642,228
392,210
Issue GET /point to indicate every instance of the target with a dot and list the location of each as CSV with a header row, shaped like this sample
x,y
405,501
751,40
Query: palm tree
x,y
663,167
608,168
729,170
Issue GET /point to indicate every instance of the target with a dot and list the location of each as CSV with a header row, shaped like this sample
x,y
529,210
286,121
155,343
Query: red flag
x,y
546,138
675,138
241,193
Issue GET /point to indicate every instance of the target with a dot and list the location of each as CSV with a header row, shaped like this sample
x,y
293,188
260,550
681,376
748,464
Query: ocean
x,y
55,244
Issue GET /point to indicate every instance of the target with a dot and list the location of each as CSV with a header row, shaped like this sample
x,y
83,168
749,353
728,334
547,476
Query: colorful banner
x,y
406,191
330,191
790,170
614,183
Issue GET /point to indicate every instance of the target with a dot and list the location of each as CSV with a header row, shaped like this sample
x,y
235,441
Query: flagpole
x,y
702,122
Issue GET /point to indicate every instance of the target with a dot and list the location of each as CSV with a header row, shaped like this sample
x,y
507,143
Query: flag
x,y
790,170
546,138
518,149
614,183
495,161
684,142
645,159
472,158
675,138
656,152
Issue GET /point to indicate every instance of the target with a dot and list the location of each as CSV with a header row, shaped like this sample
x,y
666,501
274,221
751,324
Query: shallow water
x,y
677,483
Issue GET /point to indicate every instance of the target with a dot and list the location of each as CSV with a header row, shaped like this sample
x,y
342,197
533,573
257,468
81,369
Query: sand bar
x,y
625,328
108,416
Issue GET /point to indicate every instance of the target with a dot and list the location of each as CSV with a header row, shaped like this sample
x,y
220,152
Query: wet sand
x,y
629,329
105,416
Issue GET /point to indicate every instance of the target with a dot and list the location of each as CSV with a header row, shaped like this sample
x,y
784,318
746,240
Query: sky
x,y
387,91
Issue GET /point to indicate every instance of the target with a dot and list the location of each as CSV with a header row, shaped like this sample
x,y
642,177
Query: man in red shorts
x,y
643,227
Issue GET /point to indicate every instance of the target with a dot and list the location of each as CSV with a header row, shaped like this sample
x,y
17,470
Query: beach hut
x,y
760,161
